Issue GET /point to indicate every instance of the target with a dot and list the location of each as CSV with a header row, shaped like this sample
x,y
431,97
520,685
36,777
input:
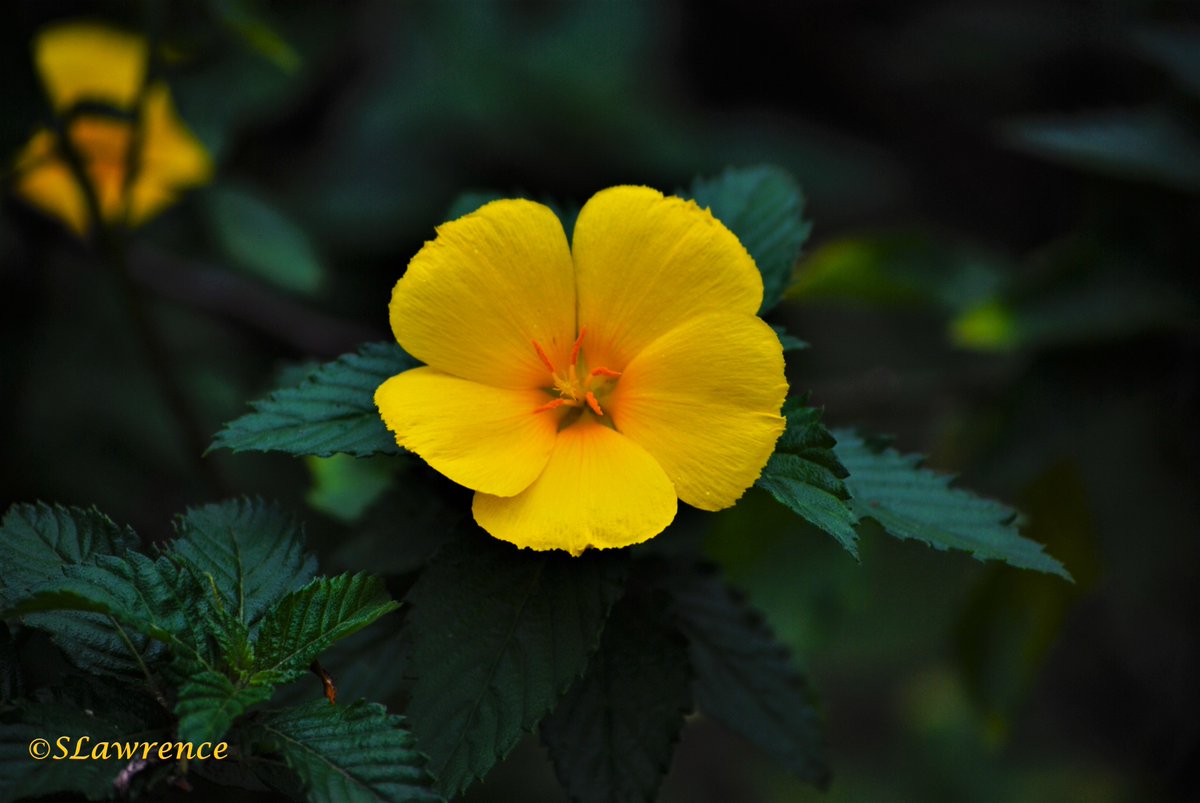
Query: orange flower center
x,y
577,386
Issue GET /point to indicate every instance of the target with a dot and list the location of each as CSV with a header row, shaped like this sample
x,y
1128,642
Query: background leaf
x,y
744,677
912,502
764,207
210,701
332,411
261,240
804,474
498,634
347,753
612,736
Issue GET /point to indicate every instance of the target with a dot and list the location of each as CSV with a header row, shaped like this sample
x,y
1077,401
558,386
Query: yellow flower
x,y
94,64
581,389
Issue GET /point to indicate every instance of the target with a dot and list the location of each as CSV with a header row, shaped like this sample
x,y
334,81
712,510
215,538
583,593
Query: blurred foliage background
x,y
1003,273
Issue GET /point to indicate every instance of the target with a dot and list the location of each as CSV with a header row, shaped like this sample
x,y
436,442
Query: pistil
x,y
570,389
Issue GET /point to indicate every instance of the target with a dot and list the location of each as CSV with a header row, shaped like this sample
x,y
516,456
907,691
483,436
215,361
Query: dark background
x,y
1040,158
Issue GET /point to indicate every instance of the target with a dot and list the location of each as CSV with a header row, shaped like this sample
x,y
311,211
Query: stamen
x,y
550,405
595,405
542,354
578,343
605,372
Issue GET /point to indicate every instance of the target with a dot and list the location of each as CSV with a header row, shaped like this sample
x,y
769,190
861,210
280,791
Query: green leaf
x,y
789,342
332,411
98,712
345,754
1142,144
306,622
612,736
343,487
39,540
804,474
252,551
912,502
209,702
764,207
744,677
258,238
498,634
1175,48
469,201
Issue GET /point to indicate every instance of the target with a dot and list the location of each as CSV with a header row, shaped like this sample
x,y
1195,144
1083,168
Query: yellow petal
x,y
492,281
172,159
646,263
704,400
85,61
46,182
599,490
488,439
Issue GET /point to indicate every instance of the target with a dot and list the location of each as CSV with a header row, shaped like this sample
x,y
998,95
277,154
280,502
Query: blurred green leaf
x,y
332,411
804,474
1174,48
346,753
241,17
789,342
764,207
612,736
912,502
1143,144
744,677
470,201
498,635
344,486
260,239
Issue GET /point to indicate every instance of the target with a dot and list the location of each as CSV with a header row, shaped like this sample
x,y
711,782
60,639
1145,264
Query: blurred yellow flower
x,y
93,64
581,389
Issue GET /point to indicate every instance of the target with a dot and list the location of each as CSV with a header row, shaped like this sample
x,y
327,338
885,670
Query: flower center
x,y
577,386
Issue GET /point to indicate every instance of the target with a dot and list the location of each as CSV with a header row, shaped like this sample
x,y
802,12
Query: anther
x,y
542,354
595,405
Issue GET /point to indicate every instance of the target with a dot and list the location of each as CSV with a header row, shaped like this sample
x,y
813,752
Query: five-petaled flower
x,y
581,389
135,152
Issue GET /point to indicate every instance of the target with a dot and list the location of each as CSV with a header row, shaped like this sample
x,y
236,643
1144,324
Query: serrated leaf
x,y
744,677
39,540
95,711
210,701
252,551
331,412
764,207
261,240
345,754
804,474
612,736
912,502
306,622
498,634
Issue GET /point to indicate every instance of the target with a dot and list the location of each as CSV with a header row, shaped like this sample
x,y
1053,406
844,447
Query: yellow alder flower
x,y
86,62
581,389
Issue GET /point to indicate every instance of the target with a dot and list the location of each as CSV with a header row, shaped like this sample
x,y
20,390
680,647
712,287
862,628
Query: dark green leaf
x,y
612,736
1143,144
764,207
39,540
347,753
789,342
498,634
332,411
912,502
253,552
306,622
209,702
745,678
1176,49
262,240
804,474
470,201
